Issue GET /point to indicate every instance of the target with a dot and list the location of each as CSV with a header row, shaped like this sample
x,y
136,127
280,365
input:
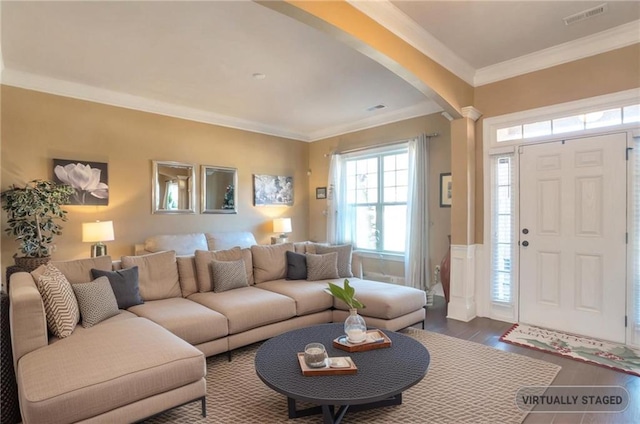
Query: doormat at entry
x,y
606,354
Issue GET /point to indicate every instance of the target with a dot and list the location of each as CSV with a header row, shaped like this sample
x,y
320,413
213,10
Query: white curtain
x,y
416,258
339,214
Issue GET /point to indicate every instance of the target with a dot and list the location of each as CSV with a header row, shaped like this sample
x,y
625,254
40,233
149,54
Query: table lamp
x,y
282,226
97,232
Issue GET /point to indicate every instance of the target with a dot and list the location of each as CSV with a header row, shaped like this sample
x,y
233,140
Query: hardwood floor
x,y
573,373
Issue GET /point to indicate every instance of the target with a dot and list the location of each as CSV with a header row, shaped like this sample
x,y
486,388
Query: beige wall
x,y
38,127
439,162
609,72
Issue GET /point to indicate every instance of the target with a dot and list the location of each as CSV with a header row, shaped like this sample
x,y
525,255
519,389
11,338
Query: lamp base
x,y
279,240
98,249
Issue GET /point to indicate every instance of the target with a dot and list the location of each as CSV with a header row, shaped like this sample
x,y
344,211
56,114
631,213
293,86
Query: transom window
x,y
579,122
376,196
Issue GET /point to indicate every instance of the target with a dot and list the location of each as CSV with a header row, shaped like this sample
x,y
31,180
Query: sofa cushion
x,y
157,274
322,267
78,270
384,300
296,266
227,239
304,247
182,244
60,304
310,296
110,366
96,301
228,275
248,307
187,275
125,285
186,319
344,257
203,265
270,262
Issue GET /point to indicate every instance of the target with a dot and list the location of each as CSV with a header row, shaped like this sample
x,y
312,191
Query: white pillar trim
x,y
471,113
462,300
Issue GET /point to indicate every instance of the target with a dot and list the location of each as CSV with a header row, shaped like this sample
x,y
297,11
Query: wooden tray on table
x,y
376,339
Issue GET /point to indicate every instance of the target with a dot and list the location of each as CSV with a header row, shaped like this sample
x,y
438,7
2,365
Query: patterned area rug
x,y
606,354
466,383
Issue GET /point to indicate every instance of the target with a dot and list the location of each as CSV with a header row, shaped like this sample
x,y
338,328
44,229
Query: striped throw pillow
x,y
60,304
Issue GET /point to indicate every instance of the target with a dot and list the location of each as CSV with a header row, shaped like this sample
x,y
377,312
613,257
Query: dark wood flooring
x,y
573,373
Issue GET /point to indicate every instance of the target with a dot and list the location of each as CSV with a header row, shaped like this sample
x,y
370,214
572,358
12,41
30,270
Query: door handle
x,y
525,243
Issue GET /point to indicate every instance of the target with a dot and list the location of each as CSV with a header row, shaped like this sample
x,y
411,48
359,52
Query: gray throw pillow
x,y
344,257
322,267
96,301
228,275
296,266
125,285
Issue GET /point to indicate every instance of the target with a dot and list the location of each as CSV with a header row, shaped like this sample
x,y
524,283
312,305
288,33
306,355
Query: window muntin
x,y
573,123
376,191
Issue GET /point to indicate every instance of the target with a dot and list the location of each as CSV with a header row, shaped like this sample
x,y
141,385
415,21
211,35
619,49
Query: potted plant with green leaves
x,y
354,326
33,212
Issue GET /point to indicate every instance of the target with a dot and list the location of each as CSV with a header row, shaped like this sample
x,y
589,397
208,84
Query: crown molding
x,y
396,21
422,109
611,39
113,98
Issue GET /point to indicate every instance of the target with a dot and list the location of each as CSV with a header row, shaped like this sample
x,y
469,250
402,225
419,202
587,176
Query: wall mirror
x,y
219,189
173,187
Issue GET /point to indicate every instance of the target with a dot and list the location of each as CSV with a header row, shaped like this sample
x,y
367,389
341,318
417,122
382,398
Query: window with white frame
x,y
502,228
376,194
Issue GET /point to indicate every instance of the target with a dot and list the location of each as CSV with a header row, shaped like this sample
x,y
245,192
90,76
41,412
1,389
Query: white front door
x,y
573,236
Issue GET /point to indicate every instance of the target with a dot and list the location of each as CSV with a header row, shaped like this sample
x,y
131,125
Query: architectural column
x,y
462,303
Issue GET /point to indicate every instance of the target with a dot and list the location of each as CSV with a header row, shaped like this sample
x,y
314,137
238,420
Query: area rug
x,y
597,352
466,383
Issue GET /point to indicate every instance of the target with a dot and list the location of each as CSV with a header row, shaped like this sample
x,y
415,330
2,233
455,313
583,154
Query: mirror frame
x,y
203,189
155,188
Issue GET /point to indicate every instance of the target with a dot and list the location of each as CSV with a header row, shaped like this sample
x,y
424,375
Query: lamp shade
x,y
282,225
97,231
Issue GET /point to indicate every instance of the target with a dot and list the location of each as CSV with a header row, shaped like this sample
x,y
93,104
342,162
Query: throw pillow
x,y
60,304
125,285
157,275
322,267
203,260
96,301
344,257
228,275
296,266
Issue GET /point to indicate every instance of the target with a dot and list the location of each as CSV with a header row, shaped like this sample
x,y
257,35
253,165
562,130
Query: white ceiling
x,y
195,60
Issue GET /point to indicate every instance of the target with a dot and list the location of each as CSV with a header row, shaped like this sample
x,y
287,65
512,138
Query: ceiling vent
x,y
376,107
585,14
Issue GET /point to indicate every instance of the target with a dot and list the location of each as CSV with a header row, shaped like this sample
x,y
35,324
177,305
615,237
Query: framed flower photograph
x,y
445,190
272,190
90,180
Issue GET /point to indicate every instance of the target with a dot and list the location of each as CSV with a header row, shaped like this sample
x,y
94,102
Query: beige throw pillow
x,y
228,275
270,261
157,274
344,257
96,301
322,267
60,304
205,257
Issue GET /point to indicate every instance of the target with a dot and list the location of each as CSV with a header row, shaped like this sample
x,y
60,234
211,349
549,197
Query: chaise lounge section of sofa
x,y
155,350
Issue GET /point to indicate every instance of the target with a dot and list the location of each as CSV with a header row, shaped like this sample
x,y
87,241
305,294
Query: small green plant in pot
x,y
354,326
33,212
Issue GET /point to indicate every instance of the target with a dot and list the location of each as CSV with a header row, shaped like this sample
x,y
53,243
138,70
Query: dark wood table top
x,y
381,373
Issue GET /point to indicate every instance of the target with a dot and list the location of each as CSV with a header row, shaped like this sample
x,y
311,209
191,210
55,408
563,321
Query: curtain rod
x,y
357,149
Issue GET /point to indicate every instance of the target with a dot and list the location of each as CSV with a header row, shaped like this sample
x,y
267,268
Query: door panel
x,y
573,260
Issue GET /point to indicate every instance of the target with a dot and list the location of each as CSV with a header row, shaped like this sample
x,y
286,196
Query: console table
x,y
383,374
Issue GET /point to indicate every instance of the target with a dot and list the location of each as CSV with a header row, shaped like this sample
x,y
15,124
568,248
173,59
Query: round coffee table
x,y
383,374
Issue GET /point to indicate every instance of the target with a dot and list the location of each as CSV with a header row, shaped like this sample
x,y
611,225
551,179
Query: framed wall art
x,y
90,180
445,190
272,190
321,192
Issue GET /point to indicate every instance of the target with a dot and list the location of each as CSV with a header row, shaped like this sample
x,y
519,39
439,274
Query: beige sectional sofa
x,y
129,366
